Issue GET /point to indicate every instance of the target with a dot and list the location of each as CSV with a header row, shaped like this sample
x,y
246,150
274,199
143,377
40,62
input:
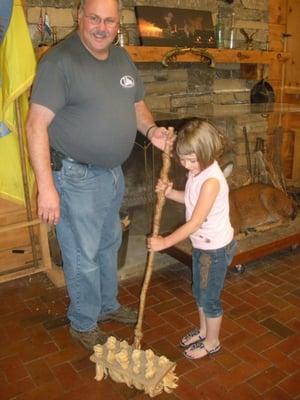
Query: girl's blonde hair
x,y
202,138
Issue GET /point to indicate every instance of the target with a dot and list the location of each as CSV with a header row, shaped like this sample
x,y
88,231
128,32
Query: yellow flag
x,y
17,70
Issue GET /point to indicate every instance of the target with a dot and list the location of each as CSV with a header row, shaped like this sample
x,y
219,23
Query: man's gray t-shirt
x,y
93,102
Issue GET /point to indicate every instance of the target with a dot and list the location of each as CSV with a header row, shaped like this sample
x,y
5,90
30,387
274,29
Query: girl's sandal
x,y
191,338
200,345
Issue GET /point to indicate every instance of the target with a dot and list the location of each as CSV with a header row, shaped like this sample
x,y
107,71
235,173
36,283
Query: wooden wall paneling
x,y
293,28
277,21
296,160
291,148
276,27
275,37
294,120
287,152
277,11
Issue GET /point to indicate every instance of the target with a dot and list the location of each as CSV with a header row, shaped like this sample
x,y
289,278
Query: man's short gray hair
x,y
81,4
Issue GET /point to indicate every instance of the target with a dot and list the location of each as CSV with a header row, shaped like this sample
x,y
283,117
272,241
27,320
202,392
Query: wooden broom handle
x,y
155,230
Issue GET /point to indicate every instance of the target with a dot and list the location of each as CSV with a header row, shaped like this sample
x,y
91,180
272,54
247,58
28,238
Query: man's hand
x,y
48,206
159,136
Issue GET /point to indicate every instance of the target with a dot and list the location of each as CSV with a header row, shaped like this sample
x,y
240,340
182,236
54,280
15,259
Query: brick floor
x,y
260,356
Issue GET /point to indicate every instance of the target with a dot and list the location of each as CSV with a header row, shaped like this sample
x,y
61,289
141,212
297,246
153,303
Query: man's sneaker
x,y
89,338
123,314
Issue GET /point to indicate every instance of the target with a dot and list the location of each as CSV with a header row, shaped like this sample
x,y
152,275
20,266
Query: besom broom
x,y
129,364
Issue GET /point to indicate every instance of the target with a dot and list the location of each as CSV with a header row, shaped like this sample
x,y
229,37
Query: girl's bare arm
x,y
207,197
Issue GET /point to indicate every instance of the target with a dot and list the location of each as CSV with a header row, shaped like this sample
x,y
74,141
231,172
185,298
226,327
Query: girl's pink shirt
x,y
216,231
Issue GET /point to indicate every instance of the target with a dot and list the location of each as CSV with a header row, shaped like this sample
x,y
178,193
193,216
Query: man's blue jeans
x,y
89,234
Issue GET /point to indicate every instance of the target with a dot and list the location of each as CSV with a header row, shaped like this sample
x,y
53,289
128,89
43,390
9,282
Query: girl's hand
x,y
164,187
156,243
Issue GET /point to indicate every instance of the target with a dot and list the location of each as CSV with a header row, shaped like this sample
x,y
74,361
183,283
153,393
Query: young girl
x,y
208,226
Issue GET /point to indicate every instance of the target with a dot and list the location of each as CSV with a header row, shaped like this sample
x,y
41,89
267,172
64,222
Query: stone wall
x,y
180,85
252,15
184,89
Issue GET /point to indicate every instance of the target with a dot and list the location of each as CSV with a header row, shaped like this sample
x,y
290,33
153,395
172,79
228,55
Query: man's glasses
x,y
95,20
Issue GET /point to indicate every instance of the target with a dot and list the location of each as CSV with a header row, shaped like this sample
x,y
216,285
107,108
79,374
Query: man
x,y
86,105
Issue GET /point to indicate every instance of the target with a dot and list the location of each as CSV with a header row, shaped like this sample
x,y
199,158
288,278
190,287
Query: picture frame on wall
x,y
162,26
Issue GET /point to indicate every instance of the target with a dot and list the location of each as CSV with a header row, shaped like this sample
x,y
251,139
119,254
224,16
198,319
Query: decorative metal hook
x,y
204,56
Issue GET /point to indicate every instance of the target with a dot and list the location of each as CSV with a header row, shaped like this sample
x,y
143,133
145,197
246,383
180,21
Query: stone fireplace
x,y
243,130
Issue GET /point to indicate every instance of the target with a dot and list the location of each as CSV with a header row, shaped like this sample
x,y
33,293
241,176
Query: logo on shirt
x,y
127,82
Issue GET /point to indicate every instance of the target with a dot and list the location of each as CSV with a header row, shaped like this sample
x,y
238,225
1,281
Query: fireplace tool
x,y
126,363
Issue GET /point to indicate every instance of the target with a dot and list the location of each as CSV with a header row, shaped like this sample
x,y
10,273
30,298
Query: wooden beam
x,y
220,56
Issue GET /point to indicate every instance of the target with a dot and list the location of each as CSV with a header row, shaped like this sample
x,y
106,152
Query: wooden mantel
x,y
229,56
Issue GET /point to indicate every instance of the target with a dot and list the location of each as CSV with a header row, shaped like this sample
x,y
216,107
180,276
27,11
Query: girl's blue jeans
x,y
209,271
89,234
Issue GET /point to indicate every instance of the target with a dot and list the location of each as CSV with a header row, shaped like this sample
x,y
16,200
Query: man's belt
x,y
57,157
